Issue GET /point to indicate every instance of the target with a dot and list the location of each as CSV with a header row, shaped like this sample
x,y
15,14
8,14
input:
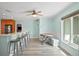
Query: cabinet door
x,y
4,45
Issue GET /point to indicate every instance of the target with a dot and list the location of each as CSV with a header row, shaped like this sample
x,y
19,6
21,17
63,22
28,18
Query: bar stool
x,y
26,38
23,40
15,43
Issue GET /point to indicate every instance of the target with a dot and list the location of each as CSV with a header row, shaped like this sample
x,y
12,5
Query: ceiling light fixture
x,y
34,15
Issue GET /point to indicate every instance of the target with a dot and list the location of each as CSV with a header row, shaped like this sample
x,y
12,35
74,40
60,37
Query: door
x,y
36,28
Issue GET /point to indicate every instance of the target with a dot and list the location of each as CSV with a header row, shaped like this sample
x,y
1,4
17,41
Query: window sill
x,y
73,45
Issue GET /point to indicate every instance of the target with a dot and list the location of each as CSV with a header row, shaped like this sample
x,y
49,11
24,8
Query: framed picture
x,y
19,27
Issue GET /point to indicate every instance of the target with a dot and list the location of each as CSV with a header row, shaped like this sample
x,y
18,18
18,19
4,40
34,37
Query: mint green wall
x,y
57,18
27,25
30,25
36,27
46,25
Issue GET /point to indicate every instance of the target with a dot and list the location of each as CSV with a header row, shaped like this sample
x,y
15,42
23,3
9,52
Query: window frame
x,y
71,32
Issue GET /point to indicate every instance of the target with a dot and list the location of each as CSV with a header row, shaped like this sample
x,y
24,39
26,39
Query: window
x,y
67,29
71,29
76,29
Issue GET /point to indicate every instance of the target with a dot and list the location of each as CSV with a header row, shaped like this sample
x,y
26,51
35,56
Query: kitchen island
x,y
4,39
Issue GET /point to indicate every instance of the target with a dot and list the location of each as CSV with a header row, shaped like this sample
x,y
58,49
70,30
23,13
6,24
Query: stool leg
x,y
14,48
25,41
21,47
28,39
22,43
9,47
17,48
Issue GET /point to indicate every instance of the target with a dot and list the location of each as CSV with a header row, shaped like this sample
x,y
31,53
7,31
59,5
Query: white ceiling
x,y
47,8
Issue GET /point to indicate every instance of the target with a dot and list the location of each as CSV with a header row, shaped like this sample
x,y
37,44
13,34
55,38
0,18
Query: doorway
x,y
36,28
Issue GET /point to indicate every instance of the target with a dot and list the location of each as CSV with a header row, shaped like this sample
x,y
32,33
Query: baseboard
x,y
34,38
67,53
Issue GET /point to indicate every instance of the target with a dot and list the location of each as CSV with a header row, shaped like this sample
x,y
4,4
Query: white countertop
x,y
12,35
5,34
9,34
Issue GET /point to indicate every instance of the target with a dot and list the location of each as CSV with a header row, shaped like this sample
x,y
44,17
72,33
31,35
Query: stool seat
x,y
12,41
